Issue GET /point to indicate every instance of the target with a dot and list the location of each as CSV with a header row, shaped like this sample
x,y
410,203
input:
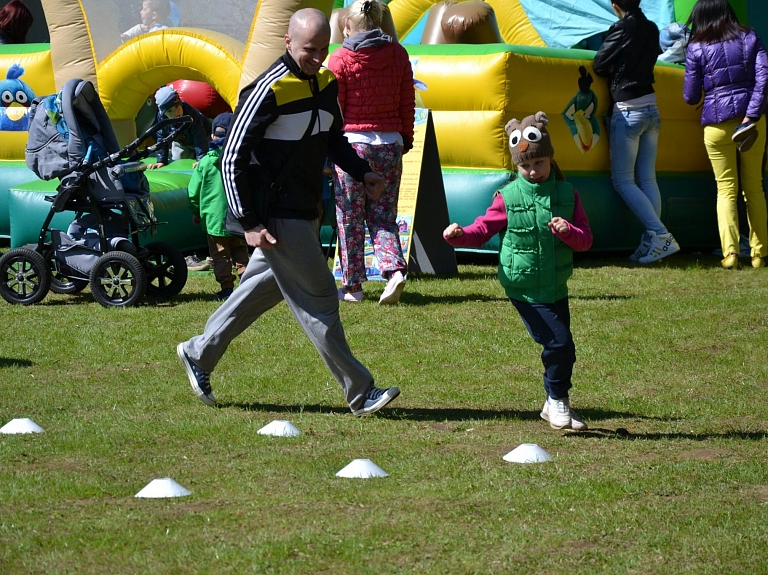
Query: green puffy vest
x,y
534,265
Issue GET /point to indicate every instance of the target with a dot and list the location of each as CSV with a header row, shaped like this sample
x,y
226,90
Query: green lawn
x,y
672,476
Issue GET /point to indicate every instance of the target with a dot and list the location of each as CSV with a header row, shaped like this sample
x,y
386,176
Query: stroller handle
x,y
129,152
127,168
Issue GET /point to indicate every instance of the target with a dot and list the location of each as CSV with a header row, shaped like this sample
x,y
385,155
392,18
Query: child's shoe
x,y
758,262
560,415
662,245
224,294
391,293
351,296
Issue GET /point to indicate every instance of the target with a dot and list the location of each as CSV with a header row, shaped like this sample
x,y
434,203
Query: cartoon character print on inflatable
x,y
579,114
16,97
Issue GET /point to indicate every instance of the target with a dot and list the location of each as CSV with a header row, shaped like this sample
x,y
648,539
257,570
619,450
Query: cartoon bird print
x,y
16,97
579,114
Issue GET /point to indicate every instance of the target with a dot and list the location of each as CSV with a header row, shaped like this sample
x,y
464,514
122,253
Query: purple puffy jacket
x,y
733,75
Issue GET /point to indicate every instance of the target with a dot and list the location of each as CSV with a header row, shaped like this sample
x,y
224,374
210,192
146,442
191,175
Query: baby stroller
x,y
71,138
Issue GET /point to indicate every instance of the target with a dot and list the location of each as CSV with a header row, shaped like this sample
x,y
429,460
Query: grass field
x,y
672,476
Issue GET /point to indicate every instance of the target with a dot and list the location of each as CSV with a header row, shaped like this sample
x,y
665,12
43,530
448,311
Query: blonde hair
x,y
364,15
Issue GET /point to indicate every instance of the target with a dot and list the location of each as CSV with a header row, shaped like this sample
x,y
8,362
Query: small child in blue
x,y
543,223
208,201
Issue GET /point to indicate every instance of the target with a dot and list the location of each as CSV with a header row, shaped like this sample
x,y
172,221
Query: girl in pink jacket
x,y
377,99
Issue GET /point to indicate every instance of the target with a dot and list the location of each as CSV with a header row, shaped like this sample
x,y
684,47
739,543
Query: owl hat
x,y
529,139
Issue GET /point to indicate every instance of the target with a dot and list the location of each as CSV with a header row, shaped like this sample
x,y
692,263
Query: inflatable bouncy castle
x,y
482,63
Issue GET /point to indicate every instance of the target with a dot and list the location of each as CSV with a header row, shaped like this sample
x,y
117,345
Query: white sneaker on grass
x,y
559,414
391,293
375,399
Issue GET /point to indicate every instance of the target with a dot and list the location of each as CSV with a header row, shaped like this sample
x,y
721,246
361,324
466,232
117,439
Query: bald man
x,y
286,123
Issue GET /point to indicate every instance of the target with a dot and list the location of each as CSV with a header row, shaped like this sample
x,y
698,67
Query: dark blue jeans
x,y
550,326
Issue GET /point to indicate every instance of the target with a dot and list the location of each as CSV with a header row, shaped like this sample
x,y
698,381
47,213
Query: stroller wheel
x,y
59,282
166,270
117,280
24,276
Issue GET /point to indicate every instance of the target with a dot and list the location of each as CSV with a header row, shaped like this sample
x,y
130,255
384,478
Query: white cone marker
x,y
22,425
362,469
527,453
165,487
279,428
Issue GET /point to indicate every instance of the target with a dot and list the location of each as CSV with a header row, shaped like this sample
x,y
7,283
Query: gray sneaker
x,y
662,245
375,399
642,249
199,379
559,414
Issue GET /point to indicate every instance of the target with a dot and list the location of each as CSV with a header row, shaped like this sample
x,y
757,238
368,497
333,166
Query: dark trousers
x,y
550,326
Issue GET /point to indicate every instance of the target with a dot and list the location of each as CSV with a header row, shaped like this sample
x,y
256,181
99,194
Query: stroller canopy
x,y
67,129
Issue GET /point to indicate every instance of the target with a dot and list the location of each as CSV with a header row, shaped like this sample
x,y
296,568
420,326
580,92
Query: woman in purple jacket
x,y
728,63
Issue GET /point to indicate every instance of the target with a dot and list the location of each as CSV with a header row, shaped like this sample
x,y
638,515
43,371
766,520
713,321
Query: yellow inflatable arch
x,y
127,74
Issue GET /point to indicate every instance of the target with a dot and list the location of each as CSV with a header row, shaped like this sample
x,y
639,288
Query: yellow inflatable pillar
x,y
265,42
71,47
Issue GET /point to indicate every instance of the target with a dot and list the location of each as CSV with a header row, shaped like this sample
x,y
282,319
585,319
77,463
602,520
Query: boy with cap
x,y
208,201
192,140
544,222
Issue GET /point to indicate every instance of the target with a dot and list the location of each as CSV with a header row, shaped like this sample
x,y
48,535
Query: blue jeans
x,y
634,141
549,324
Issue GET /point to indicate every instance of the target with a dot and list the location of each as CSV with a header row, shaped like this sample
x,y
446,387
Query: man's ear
x,y
287,39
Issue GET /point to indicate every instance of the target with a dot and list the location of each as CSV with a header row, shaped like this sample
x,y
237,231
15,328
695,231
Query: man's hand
x,y
374,185
154,166
196,219
259,237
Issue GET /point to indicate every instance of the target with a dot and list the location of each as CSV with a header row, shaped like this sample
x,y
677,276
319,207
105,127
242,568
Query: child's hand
x,y
196,220
453,231
558,225
194,164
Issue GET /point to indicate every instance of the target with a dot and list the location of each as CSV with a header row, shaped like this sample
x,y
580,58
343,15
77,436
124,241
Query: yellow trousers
x,y
728,169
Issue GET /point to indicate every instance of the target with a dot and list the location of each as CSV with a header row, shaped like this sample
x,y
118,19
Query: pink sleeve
x,y
484,227
579,234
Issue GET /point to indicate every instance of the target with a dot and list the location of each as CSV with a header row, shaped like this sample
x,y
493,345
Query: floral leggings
x,y
354,209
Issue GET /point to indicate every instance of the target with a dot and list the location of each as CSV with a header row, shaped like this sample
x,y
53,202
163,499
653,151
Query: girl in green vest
x,y
543,222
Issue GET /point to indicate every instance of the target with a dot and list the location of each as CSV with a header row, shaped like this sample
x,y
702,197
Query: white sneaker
x,y
642,249
375,399
391,293
662,245
354,297
560,415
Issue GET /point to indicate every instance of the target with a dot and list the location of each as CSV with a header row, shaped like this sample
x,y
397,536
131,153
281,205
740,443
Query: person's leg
x,y
722,155
218,247
301,271
645,167
626,129
238,253
350,217
550,326
381,214
752,183
257,293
